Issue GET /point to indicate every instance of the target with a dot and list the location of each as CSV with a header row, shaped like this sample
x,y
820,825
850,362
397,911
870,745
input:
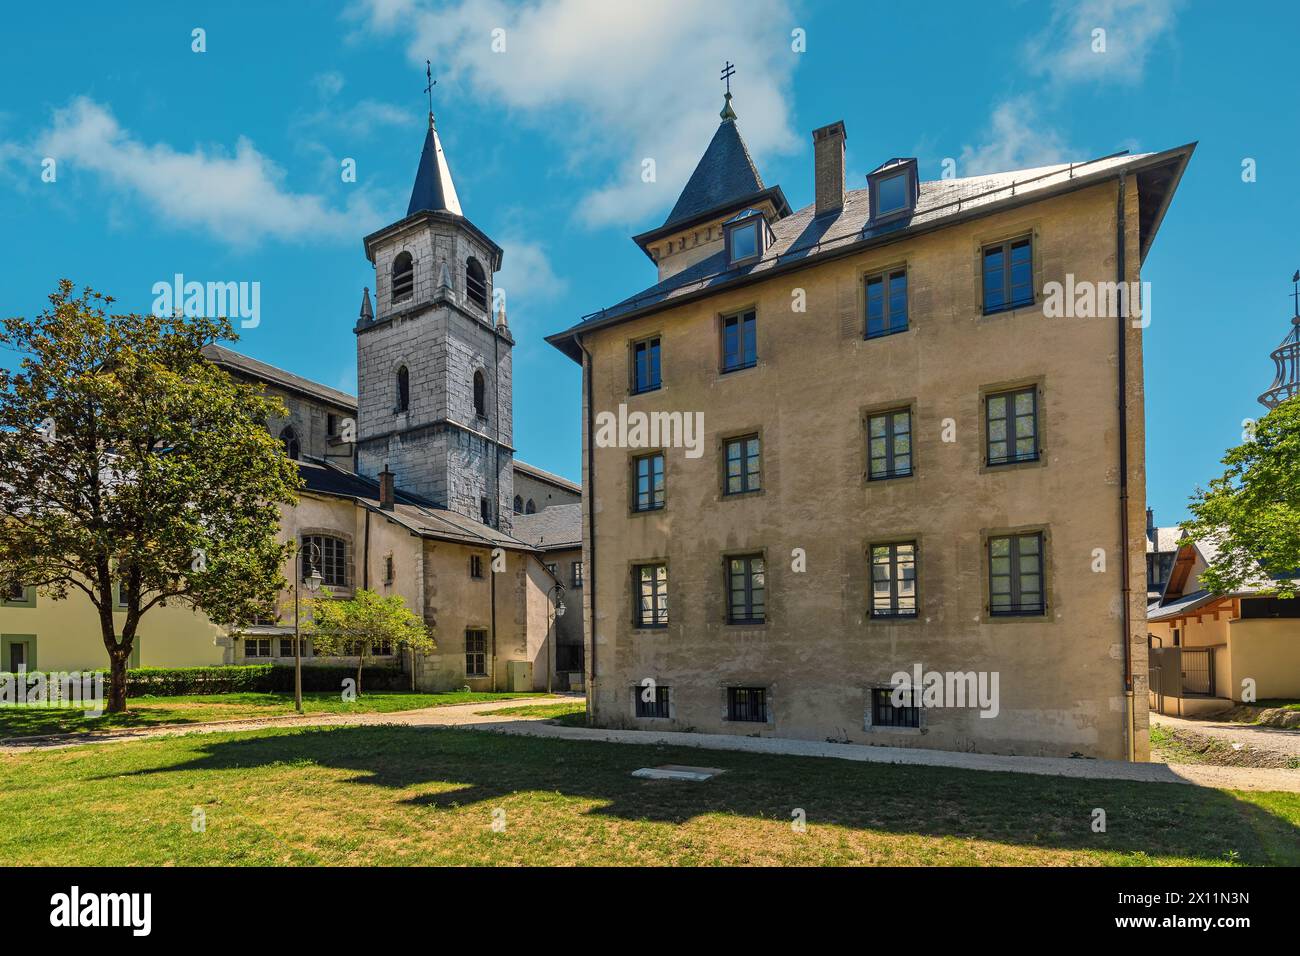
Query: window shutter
x,y
847,307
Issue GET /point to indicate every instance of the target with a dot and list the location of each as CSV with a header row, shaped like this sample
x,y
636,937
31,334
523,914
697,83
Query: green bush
x,y
252,678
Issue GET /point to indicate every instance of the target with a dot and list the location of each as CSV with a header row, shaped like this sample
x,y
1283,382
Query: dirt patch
x,y
1285,717
1176,745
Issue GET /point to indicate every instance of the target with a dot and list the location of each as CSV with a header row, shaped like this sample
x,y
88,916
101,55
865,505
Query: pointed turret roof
x,y
725,174
434,191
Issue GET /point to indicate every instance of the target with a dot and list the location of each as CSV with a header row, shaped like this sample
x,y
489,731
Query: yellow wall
x,y
1061,676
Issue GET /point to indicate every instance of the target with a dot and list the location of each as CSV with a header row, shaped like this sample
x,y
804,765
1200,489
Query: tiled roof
x,y
1166,540
236,362
553,528
800,236
534,472
725,174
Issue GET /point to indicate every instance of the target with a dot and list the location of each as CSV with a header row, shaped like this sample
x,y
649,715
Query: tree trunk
x,y
117,681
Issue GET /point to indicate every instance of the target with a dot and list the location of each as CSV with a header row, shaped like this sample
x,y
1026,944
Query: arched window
x,y
289,438
403,389
530,508
403,277
480,395
519,505
476,283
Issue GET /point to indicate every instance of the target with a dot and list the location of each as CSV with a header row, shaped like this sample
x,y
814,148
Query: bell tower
x,y
434,384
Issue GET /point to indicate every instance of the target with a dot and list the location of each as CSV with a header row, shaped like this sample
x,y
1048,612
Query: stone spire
x,y
367,313
434,191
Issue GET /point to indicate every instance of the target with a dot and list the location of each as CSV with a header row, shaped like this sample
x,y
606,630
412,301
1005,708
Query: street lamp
x,y
553,595
313,585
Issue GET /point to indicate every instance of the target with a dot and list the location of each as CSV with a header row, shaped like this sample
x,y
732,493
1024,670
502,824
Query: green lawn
x,y
420,795
151,711
567,708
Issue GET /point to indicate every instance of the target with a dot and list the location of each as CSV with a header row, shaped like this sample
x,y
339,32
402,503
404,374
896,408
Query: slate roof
x,y
1181,606
1166,539
434,191
801,237
417,515
549,477
556,528
725,174
234,361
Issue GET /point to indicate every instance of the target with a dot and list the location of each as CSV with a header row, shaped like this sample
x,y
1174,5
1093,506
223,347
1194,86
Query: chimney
x,y
386,489
828,167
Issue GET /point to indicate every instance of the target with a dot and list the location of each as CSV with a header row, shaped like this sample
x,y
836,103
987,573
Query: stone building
x,y
906,462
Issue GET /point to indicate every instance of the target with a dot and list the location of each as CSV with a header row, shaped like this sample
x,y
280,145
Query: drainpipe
x,y
1125,589
492,576
590,584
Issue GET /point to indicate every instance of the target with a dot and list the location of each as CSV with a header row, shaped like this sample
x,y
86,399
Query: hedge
x,y
254,678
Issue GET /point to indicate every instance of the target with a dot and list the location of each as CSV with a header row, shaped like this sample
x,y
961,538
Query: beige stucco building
x,y
903,460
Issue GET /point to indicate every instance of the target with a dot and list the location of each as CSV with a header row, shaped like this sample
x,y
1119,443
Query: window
x,y
286,646
403,397
554,569
476,566
649,493
884,713
889,445
403,277
289,439
747,703
656,706
1012,426
388,569
576,572
742,465
485,513
739,341
382,648
743,241
891,194
887,303
475,652
331,424
330,556
530,508
257,647
645,366
746,580
15,594
1008,275
476,283
480,393
519,505
651,582
1016,575
893,580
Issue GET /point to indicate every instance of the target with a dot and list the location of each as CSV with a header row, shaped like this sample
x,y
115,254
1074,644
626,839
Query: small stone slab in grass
x,y
674,771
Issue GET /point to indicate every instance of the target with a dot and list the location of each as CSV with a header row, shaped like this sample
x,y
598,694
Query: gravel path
x,y
472,717
1277,739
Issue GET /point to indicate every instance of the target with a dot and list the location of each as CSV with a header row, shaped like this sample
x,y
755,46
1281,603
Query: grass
x,y
152,711
421,795
568,708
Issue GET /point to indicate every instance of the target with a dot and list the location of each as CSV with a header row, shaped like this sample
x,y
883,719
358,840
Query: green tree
x,y
134,471
358,624
1252,512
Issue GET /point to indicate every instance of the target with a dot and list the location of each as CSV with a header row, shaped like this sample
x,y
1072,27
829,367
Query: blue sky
x,y
225,165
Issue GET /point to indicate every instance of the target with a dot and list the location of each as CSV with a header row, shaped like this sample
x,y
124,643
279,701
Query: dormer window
x,y
893,189
747,236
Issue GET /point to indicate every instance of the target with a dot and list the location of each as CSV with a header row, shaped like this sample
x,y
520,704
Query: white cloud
x,y
238,198
1065,52
618,82
1015,139
526,274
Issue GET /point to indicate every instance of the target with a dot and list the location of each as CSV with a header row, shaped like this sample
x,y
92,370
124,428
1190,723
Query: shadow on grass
x,y
1155,820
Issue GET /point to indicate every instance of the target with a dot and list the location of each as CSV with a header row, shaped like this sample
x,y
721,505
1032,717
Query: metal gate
x,y
1198,671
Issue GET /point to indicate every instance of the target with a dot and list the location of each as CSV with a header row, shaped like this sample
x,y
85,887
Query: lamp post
x,y
313,585
553,595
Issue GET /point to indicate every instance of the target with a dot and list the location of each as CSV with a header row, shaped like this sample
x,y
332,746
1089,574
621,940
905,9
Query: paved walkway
x,y
1279,740
472,717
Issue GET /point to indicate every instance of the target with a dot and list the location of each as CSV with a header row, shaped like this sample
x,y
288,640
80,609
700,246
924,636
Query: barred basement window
x,y
1012,426
747,587
403,277
476,283
1016,575
747,704
651,588
742,457
475,652
330,554
885,714
657,706
889,445
893,580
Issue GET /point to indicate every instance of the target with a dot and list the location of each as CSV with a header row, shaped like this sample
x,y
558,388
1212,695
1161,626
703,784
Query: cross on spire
x,y
728,71
428,73
1295,279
